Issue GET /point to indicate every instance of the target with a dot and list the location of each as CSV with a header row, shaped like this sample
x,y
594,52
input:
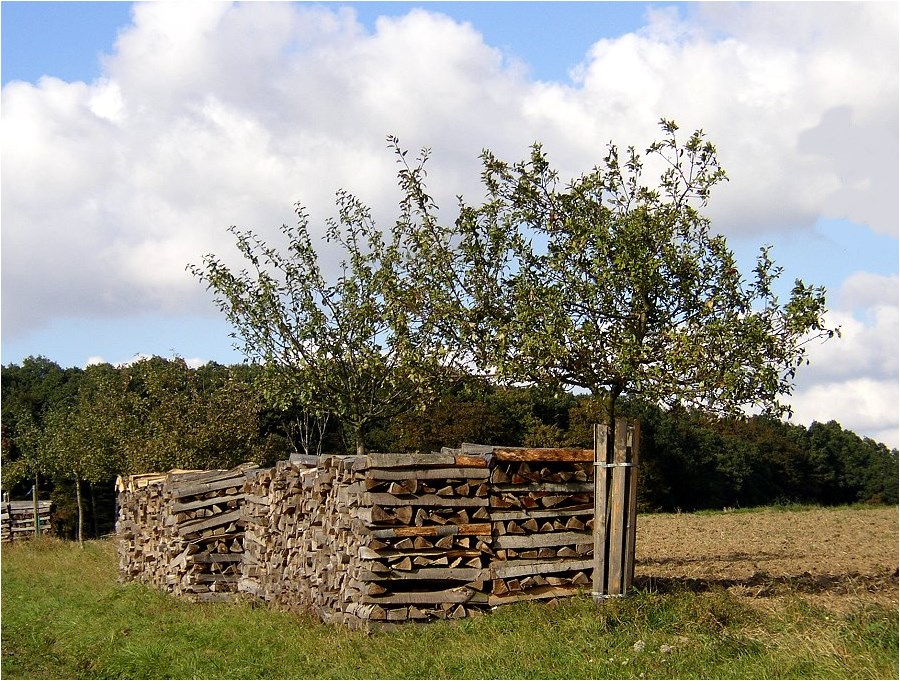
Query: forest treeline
x,y
72,431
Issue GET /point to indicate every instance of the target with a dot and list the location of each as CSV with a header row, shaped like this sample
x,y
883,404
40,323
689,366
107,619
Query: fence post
x,y
34,507
615,508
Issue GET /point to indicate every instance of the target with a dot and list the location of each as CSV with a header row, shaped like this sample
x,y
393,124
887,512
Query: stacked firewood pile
x,y
17,519
382,538
424,534
542,521
377,539
277,514
183,531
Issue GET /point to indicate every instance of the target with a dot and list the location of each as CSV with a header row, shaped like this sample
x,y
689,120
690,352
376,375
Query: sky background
x,y
133,135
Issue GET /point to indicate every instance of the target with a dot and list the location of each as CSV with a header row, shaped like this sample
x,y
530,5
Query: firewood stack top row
x,y
183,531
385,538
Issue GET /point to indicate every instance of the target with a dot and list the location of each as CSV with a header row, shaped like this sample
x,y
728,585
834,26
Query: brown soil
x,y
838,557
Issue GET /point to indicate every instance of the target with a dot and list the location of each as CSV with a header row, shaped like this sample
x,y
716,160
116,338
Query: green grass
x,y
64,616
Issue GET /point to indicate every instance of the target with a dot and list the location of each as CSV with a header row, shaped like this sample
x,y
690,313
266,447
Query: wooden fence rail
x,y
17,519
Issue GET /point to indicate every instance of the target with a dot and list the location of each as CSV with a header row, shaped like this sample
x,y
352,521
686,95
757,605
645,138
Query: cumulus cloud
x,y
213,114
854,379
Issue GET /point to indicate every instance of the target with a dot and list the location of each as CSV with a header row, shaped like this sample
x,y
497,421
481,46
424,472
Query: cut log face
x,y
378,539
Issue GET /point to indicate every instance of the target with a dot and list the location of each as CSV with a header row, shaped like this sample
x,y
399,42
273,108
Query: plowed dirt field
x,y
837,556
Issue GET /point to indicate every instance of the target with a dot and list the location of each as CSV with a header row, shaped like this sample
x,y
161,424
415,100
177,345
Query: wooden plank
x,y
631,520
600,509
464,461
457,472
519,568
202,503
458,594
28,506
459,574
390,554
304,459
415,461
203,488
470,448
384,499
543,454
503,515
215,558
617,513
208,523
532,541
177,477
432,531
536,593
568,487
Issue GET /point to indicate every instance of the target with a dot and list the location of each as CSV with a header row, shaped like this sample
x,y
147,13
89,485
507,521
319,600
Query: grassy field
x,y
64,616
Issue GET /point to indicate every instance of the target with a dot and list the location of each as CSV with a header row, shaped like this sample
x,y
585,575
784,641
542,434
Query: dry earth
x,y
838,557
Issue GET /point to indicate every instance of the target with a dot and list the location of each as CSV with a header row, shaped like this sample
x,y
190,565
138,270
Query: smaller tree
x,y
81,440
362,345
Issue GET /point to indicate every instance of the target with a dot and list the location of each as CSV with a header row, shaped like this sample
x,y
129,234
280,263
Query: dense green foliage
x,y
609,284
360,344
617,286
81,428
64,616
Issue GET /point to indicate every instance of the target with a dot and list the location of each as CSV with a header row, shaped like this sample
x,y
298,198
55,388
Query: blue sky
x,y
133,136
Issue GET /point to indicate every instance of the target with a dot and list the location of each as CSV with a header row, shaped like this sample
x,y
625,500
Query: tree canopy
x,y
360,345
618,287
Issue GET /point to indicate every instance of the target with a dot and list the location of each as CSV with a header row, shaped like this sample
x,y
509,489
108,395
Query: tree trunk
x,y
93,510
80,512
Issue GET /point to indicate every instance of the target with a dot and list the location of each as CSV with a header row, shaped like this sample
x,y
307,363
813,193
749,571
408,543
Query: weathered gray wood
x,y
617,513
471,448
520,568
418,460
530,541
566,487
203,503
601,475
180,492
498,515
178,478
216,558
459,574
305,459
631,512
537,593
384,499
209,523
458,473
455,595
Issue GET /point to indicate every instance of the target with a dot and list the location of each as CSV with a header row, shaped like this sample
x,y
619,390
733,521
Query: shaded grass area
x,y
64,616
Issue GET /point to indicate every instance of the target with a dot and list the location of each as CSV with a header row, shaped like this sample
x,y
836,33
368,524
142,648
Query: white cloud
x,y
854,379
211,114
867,290
865,406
